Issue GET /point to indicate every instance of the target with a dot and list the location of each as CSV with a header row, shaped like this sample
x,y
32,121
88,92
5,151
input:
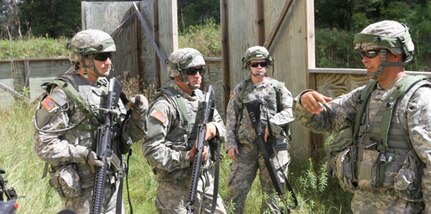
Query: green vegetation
x,y
33,48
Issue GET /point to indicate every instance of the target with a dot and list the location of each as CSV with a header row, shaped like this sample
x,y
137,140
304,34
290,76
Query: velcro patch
x,y
48,104
160,116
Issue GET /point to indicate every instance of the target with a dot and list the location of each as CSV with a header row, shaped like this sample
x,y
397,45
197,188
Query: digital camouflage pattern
x,y
65,135
167,146
248,162
411,120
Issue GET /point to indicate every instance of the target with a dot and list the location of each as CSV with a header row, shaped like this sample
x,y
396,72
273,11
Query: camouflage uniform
x,y
66,133
169,139
241,134
409,145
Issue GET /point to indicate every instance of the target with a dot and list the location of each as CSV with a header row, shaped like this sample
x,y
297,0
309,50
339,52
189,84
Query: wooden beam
x,y
157,38
260,11
225,49
278,24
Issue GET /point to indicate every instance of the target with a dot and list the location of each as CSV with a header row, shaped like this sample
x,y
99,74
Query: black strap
x,y
216,176
119,206
127,182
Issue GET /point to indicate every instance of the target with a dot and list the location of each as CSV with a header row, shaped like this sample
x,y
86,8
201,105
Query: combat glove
x,y
93,161
139,105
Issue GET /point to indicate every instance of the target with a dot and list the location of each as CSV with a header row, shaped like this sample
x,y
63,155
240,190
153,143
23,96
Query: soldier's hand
x,y
93,161
139,104
205,153
211,131
232,153
266,134
312,100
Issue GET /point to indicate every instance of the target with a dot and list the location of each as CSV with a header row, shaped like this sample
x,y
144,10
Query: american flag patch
x,y
48,104
160,116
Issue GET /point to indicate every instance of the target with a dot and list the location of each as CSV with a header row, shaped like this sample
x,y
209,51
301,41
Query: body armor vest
x,y
381,133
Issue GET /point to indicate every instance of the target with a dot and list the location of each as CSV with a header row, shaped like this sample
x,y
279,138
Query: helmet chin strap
x,y
84,66
384,64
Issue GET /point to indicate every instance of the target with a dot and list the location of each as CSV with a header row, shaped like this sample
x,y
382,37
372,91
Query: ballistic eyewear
x,y
369,53
262,64
195,70
103,56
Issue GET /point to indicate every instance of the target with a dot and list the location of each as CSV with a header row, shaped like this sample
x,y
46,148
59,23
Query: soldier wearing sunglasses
x,y
170,143
386,162
67,120
275,114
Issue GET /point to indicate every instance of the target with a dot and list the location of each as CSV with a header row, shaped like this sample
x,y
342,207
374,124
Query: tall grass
x,y
33,48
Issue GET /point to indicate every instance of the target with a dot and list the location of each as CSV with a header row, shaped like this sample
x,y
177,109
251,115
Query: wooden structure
x,y
286,28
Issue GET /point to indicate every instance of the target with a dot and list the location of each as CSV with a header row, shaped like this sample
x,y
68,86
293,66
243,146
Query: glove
x,y
139,105
93,161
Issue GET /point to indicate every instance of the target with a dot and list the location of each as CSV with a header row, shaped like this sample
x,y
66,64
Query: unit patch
x,y
158,115
49,104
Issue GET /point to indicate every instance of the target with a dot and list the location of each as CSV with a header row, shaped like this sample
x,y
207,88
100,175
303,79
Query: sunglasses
x,y
262,64
369,53
195,70
103,56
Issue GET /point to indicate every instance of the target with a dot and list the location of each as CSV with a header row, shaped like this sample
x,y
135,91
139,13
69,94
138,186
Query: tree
x,y
9,20
51,18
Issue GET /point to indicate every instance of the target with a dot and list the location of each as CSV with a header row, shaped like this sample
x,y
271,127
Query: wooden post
x,y
225,49
260,10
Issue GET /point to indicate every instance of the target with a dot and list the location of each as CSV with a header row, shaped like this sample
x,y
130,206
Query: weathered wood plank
x,y
168,31
106,17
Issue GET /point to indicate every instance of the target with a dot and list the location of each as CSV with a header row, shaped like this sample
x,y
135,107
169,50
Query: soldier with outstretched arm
x,y
387,164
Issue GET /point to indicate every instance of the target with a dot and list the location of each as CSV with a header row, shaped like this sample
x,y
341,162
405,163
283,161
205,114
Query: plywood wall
x,y
289,48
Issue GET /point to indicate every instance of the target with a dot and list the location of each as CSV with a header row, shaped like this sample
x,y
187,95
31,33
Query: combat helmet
x,y
256,52
386,35
182,59
89,42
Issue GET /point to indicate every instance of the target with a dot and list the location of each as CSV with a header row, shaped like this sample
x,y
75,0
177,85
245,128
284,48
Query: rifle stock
x,y
104,149
208,106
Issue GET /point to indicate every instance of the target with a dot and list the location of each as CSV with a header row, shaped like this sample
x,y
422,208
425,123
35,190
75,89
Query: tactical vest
x,y
382,144
277,88
184,128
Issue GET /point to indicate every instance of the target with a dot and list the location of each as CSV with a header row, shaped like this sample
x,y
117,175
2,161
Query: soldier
x,y
170,142
67,121
387,164
277,105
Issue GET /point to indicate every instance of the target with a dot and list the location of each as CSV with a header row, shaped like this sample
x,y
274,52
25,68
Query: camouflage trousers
x,y
383,202
172,196
83,204
243,172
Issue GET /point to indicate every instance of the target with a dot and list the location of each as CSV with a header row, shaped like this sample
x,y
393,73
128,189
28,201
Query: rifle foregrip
x,y
98,189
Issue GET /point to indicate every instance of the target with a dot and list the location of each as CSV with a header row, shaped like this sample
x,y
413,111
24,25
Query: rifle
x,y
8,206
267,150
207,113
104,148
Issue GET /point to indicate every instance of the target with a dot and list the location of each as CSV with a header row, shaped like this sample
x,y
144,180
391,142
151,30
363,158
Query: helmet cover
x,y
390,35
181,59
88,42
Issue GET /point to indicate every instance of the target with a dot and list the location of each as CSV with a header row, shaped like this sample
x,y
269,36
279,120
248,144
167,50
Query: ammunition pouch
x,y
66,181
343,170
407,182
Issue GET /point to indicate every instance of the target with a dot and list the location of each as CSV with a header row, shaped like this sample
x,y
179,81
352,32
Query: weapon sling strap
x,y
67,86
179,101
406,84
